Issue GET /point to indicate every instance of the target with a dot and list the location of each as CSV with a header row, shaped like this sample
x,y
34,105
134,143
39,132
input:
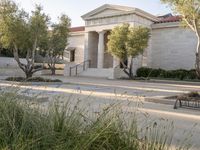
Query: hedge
x,y
33,79
180,74
9,53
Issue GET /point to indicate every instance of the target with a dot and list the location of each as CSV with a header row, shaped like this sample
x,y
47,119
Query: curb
x,y
172,82
161,100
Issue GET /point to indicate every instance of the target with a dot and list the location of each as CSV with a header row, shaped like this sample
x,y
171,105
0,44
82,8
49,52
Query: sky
x,y
76,8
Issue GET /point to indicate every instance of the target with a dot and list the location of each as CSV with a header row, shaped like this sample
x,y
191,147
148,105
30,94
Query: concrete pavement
x,y
97,93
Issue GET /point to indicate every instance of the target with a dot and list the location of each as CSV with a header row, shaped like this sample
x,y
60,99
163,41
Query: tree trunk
x,y
128,70
198,58
53,71
124,67
131,69
29,75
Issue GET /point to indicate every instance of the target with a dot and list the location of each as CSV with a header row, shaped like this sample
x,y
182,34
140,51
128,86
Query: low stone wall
x,y
11,72
9,67
7,62
48,72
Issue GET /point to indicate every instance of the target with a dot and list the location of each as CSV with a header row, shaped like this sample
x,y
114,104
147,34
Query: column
x,y
101,47
86,46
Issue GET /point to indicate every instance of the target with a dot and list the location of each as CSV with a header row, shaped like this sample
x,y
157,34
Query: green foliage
x,y
59,36
57,41
117,42
180,74
125,41
13,26
22,33
8,53
128,42
33,79
38,27
18,28
137,40
64,126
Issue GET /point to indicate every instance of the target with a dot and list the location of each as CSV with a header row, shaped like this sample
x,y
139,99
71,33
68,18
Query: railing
x,y
84,65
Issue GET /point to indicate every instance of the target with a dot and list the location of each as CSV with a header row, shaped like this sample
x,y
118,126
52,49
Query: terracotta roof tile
x,y
169,19
77,29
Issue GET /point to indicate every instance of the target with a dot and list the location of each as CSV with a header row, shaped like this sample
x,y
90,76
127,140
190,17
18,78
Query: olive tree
x,y
128,42
57,41
190,12
23,32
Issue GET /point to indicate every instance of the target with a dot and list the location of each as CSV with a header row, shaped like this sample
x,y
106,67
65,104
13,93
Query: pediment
x,y
107,10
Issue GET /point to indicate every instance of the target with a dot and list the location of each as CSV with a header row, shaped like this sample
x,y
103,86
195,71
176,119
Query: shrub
x,y
33,79
180,74
143,72
9,53
66,127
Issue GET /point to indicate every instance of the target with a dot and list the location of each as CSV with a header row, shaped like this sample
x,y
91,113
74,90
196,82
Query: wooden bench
x,y
187,102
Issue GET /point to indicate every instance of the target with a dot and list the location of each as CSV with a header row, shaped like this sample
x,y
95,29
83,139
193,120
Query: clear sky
x,y
76,8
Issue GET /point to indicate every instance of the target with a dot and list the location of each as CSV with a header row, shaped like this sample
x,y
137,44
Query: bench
x,y
187,101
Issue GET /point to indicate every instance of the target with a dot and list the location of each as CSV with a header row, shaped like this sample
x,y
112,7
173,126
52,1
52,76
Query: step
x,y
95,72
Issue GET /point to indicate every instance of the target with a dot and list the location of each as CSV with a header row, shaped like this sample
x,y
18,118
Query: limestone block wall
x,y
108,60
77,41
9,67
172,48
141,21
137,63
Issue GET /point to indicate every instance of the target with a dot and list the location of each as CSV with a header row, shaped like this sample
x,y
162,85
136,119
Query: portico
x,y
90,42
97,49
98,25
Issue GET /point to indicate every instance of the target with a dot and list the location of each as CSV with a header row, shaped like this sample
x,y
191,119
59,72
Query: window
x,y
72,56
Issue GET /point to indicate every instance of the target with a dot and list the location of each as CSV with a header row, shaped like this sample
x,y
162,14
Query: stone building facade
x,y
170,45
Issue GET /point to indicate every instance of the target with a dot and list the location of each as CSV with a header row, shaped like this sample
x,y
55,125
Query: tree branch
x,y
36,70
188,23
125,68
16,57
33,51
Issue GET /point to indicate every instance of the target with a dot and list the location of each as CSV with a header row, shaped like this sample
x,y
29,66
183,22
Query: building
x,y
170,46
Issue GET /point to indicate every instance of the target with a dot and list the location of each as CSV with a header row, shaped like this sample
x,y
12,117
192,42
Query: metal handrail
x,y
76,67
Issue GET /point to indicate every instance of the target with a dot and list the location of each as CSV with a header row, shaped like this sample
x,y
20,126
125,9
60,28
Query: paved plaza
x,y
96,93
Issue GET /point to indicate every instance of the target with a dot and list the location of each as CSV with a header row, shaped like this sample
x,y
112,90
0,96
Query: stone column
x,y
101,48
86,47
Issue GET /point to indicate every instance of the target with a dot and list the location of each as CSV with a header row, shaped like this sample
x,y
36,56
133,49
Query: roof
x,y
119,10
106,6
169,18
77,29
162,19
